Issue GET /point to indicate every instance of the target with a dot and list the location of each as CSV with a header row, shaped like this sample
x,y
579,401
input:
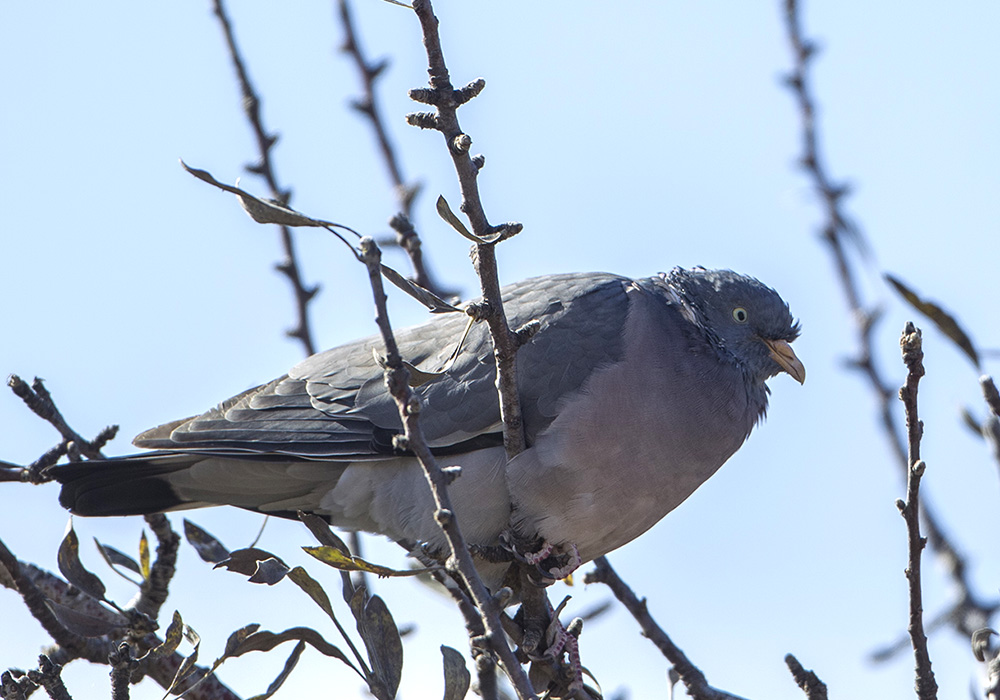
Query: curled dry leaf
x,y
445,212
263,211
945,322
456,675
432,301
269,571
74,571
208,547
88,622
171,639
381,638
245,561
290,663
116,558
345,562
981,642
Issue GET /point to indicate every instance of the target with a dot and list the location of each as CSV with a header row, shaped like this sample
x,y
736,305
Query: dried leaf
x,y
269,571
72,569
171,639
445,212
313,589
265,641
381,637
263,211
981,642
345,562
945,322
116,558
290,664
184,670
192,636
144,559
208,547
429,299
244,561
418,377
268,211
88,623
991,394
237,638
322,532
456,675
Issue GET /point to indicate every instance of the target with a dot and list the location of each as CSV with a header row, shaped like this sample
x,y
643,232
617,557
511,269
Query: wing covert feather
x,y
334,405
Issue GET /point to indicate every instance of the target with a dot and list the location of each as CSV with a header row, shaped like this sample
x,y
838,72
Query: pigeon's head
x,y
745,317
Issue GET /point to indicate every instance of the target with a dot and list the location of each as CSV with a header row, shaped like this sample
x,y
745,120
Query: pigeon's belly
x,y
392,497
599,500
614,462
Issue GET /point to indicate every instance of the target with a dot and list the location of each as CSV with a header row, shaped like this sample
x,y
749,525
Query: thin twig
x,y
43,585
14,688
991,394
446,99
838,230
49,677
481,654
814,688
39,400
368,105
289,267
694,680
459,562
913,357
122,665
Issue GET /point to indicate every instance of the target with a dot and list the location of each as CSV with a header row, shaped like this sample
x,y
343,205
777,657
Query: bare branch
x,y
694,680
93,650
122,665
991,394
368,106
913,357
459,562
814,688
837,231
39,400
48,676
264,167
447,100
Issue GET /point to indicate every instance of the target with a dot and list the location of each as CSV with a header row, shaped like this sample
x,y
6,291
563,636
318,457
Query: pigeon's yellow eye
x,y
740,315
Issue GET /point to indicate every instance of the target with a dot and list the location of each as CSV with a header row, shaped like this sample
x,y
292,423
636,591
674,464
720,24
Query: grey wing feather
x,y
334,405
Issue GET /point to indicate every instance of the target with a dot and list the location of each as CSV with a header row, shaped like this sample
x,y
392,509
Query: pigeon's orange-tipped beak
x,y
783,354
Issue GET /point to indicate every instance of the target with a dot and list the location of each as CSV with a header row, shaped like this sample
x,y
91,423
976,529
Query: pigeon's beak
x,y
783,354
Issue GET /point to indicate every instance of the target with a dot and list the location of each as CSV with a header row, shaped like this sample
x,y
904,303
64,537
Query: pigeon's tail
x,y
125,486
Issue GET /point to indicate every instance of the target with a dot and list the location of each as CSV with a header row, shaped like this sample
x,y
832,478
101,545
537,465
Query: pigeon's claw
x,y
573,562
552,562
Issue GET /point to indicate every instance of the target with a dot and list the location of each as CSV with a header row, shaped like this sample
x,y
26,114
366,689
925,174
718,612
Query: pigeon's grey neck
x,y
678,288
679,294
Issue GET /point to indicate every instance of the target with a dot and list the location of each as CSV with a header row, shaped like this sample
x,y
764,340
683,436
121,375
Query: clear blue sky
x,y
628,138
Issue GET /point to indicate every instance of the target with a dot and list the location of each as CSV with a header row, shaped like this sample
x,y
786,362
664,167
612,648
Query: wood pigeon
x,y
634,392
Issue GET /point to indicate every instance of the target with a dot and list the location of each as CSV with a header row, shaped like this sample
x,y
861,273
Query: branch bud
x,y
423,120
463,95
461,144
